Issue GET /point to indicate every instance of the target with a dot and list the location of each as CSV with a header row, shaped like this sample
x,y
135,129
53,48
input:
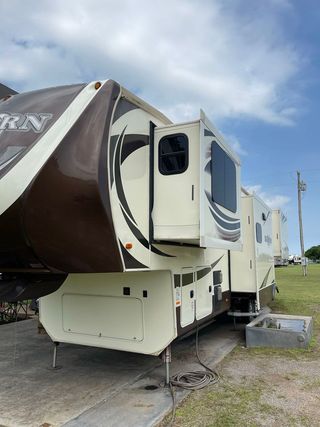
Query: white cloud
x,y
234,142
227,57
274,201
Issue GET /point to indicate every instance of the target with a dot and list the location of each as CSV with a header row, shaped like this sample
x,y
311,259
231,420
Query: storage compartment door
x,y
188,297
204,288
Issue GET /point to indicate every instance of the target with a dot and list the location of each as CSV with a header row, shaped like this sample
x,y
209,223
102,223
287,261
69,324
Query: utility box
x,y
279,330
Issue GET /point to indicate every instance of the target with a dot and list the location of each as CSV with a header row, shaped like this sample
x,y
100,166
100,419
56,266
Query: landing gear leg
x,y
166,357
55,353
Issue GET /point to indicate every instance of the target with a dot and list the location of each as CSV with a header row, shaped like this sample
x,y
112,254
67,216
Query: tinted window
x,y
173,154
223,178
258,232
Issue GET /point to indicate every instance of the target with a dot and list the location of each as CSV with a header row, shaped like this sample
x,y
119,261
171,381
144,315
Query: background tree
x,y
313,253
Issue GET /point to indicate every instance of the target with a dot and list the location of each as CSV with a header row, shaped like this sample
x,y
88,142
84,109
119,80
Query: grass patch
x,y
221,406
229,403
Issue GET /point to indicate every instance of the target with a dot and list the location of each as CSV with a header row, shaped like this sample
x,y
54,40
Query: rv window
x,y
173,154
258,232
223,178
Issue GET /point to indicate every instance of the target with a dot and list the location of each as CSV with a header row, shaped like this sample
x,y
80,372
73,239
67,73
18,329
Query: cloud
x,y
234,142
228,57
274,201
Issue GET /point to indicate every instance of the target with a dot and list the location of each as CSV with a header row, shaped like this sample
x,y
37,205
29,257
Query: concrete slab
x,y
95,387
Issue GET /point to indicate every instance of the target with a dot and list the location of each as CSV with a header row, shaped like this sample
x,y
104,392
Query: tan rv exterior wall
x,y
243,265
252,270
276,218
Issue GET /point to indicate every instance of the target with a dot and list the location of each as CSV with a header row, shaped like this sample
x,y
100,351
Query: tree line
x,y
313,253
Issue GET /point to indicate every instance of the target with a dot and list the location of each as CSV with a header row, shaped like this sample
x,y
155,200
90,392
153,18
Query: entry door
x,y
188,297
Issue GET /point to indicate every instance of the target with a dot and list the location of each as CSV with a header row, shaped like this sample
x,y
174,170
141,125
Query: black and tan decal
x,y
132,143
216,262
123,107
187,278
129,260
123,146
224,224
118,180
135,230
161,253
177,280
113,144
229,228
209,133
219,212
203,272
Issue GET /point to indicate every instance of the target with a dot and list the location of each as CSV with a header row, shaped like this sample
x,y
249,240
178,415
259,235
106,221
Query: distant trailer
x,y
294,259
252,270
280,238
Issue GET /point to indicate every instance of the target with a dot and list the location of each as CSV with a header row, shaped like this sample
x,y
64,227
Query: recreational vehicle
x,y
294,259
121,220
252,270
280,238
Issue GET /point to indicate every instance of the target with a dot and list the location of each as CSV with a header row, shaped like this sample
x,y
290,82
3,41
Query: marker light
x,y
128,245
97,85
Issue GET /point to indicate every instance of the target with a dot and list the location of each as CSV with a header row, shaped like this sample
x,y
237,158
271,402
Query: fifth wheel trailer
x,y
119,219
252,270
280,238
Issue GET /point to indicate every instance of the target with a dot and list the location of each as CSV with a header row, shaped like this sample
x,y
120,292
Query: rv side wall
x,y
264,249
280,238
276,238
252,270
243,264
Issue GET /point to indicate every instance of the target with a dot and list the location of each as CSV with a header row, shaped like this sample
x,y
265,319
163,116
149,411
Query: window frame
x,y
161,156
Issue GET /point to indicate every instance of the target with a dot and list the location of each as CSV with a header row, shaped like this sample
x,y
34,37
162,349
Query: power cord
x,y
192,380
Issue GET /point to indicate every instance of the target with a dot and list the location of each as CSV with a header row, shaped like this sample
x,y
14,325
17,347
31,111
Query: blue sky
x,y
252,65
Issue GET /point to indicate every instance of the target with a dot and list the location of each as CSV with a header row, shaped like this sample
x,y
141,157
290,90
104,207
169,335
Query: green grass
x,y
300,295
229,404
240,399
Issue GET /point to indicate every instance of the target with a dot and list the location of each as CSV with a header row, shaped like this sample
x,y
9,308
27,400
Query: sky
x,y
252,65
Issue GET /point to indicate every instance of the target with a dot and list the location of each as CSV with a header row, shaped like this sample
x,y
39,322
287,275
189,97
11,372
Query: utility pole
x,y
301,187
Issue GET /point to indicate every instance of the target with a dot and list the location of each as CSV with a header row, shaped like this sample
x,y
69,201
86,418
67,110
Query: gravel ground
x,y
290,387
